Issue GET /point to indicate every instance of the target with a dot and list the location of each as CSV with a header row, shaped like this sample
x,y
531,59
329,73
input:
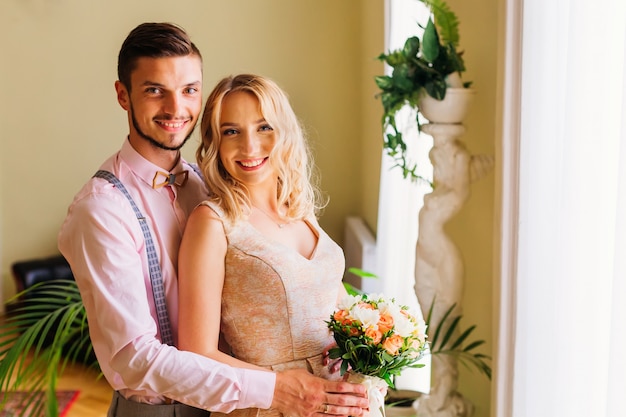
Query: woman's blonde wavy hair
x,y
297,182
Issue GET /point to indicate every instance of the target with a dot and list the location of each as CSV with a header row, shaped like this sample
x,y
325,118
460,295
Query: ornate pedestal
x,y
439,270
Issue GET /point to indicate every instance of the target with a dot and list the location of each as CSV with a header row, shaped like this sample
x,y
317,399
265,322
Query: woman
x,y
254,262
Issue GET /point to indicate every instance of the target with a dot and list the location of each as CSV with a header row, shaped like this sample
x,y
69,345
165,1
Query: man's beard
x,y
154,141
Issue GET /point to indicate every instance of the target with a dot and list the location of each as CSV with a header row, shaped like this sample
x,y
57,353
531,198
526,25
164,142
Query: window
x,y
562,342
401,199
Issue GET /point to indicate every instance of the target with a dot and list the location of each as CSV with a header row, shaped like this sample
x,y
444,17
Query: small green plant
x,y
422,66
39,338
351,289
442,343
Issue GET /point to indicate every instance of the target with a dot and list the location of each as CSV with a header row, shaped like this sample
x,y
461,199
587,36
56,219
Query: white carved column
x,y
439,271
438,264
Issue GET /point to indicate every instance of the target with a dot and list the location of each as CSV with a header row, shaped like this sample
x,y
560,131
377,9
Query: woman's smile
x,y
250,164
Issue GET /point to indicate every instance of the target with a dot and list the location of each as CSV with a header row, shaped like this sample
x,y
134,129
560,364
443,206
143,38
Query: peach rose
x,y
365,305
340,315
385,323
393,344
374,334
354,331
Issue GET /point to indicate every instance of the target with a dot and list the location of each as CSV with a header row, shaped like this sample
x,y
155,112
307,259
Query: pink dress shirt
x,y
103,243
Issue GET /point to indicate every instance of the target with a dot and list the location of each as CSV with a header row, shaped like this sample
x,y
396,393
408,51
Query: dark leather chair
x,y
31,272
28,273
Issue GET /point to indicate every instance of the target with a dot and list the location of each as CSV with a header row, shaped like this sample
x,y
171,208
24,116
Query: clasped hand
x,y
299,393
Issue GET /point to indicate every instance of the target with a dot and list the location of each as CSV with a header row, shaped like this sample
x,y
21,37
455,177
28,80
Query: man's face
x,y
164,102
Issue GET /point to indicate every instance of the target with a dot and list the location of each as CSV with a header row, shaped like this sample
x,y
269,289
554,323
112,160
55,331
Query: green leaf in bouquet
x,y
389,381
334,353
344,367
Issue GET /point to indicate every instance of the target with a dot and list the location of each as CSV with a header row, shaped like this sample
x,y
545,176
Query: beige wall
x,y
369,147
59,118
472,229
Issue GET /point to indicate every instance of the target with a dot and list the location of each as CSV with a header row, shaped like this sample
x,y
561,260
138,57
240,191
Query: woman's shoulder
x,y
208,206
206,211
211,211
205,220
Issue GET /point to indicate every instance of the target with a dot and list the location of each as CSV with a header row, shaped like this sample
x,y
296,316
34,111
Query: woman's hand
x,y
334,365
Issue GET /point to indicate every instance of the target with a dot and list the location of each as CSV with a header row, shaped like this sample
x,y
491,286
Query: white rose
x,y
368,317
348,301
403,326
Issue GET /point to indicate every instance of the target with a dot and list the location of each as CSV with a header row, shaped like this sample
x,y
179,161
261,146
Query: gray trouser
x,y
121,407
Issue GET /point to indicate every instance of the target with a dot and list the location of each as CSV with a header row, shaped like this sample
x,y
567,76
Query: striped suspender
x,y
156,277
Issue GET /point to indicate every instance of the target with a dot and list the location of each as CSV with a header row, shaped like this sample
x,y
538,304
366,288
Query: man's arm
x,y
103,243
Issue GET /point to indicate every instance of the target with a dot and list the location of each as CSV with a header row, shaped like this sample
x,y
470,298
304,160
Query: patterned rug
x,y
13,407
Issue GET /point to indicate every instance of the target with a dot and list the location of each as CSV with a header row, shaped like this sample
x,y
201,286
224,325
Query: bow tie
x,y
161,179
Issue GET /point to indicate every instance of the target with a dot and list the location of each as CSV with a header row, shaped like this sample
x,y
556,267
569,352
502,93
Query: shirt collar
x,y
143,168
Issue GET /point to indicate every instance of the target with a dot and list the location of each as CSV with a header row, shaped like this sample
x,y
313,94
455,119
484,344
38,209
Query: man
x,y
112,248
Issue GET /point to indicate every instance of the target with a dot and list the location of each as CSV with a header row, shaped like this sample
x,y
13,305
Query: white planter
x,y
451,110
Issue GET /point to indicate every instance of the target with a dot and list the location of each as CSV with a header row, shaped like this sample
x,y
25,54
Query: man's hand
x,y
300,394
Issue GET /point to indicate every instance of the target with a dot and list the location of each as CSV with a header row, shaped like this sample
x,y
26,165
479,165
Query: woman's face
x,y
247,139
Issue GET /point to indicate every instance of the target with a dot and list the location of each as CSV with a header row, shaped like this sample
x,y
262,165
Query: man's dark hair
x,y
152,40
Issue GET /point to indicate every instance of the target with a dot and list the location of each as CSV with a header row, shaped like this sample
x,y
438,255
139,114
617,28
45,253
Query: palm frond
x,y
439,328
448,326
40,337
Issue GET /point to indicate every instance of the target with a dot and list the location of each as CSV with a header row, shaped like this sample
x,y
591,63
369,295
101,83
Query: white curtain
x,y
562,342
401,199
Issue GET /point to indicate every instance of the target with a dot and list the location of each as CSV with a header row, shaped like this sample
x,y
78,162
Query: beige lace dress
x,y
275,302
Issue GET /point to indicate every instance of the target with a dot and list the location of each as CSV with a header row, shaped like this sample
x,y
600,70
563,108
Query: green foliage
x,y
40,338
356,354
442,342
421,65
447,22
362,273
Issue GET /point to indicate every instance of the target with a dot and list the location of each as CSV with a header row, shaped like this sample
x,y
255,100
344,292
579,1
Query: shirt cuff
x,y
258,388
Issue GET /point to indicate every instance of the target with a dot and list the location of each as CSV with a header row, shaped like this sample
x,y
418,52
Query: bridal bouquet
x,y
376,339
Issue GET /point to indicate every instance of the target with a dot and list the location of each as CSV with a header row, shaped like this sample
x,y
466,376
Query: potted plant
x,y
39,338
427,77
